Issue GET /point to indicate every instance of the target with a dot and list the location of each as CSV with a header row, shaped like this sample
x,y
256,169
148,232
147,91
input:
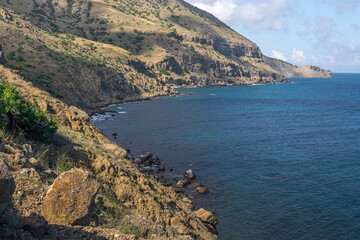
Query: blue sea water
x,y
282,161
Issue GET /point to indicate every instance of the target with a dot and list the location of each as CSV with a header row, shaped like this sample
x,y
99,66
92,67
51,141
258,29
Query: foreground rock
x,y
70,200
208,219
7,186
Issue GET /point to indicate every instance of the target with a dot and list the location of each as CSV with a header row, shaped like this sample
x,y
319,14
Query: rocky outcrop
x,y
292,71
7,186
2,56
70,199
170,64
237,50
208,218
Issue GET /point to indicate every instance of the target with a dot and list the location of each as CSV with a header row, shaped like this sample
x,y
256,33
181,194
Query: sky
x,y
324,33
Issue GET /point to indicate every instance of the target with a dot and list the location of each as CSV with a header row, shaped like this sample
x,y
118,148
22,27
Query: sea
x,y
282,161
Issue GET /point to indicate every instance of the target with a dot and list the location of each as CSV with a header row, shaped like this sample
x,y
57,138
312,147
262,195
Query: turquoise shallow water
x,y
282,161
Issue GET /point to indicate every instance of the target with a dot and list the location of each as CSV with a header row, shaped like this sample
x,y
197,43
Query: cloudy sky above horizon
x,y
325,33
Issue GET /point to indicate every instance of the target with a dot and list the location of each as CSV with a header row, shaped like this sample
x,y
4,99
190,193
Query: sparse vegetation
x,y
165,72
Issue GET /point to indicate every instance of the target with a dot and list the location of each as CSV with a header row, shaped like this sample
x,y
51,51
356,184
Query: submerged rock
x,y
70,200
161,168
201,190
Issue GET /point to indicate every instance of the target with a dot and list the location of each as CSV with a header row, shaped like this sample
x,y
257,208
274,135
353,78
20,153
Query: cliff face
x,y
292,71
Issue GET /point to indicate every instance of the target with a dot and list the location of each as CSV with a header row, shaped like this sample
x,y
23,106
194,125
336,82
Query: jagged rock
x,y
189,174
181,184
206,216
7,186
146,156
70,200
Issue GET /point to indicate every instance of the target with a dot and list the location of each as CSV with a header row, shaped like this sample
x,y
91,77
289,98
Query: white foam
x,y
101,117
123,112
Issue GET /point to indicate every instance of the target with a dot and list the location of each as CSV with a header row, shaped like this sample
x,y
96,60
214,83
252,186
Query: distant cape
x,y
293,71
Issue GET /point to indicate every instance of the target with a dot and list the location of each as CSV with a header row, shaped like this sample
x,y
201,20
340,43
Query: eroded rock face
x,y
7,186
70,200
2,56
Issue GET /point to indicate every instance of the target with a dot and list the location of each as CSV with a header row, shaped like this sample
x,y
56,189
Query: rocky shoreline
x,y
115,199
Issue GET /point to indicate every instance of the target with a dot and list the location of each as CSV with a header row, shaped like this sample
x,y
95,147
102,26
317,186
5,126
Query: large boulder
x,y
206,216
70,200
7,186
2,56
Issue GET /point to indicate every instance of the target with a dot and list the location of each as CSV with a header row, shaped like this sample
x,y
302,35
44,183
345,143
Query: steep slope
x,y
292,71
79,71
180,43
129,203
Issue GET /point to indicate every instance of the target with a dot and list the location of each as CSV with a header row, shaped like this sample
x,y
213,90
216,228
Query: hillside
x,y
97,52
292,71
113,200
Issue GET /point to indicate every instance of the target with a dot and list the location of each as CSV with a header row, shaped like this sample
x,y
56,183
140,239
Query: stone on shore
x,y
189,174
7,186
70,200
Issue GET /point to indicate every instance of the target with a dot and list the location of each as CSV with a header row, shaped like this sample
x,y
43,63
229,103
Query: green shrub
x,y
164,72
23,114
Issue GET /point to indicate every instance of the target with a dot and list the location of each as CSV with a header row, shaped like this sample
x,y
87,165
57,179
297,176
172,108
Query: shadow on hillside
x,y
14,226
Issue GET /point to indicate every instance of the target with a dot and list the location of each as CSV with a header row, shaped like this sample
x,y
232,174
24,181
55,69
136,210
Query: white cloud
x,y
221,9
257,14
278,55
298,56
